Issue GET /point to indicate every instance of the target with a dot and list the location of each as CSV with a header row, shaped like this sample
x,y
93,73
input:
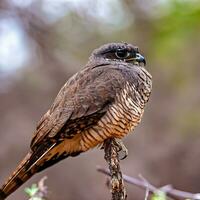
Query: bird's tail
x,y
44,156
20,175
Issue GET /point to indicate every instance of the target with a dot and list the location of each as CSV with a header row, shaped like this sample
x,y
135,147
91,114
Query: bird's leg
x,y
121,148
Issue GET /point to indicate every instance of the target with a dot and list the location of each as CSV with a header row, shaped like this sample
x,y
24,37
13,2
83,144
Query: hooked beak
x,y
140,59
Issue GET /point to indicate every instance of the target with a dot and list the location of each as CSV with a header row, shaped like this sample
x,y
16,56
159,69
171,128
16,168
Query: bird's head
x,y
118,52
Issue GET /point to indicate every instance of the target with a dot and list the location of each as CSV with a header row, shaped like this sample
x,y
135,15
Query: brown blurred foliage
x,y
165,147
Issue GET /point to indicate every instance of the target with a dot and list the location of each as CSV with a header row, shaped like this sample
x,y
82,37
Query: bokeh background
x,y
44,42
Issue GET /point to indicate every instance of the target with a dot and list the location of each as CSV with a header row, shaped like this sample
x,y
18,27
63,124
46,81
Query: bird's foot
x,y
121,148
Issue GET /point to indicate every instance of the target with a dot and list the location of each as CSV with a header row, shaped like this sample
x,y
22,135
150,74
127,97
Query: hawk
x,y
105,99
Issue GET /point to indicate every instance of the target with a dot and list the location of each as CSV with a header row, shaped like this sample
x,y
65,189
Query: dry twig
x,y
168,189
111,149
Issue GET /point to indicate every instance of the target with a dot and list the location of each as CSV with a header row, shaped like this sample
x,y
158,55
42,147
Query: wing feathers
x,y
85,95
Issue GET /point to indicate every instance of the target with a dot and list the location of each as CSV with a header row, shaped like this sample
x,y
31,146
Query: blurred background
x,y
44,42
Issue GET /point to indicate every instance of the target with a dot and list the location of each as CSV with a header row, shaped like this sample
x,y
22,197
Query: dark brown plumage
x,y
105,99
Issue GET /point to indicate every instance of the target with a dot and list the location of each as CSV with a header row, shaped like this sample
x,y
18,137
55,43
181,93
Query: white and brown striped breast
x,y
122,117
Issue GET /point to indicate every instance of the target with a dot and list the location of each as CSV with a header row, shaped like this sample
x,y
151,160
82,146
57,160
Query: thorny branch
x,y
144,184
111,149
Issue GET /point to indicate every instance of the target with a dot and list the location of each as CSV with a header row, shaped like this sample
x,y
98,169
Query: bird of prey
x,y
105,99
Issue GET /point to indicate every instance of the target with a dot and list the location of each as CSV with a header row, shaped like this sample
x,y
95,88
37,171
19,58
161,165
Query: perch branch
x,y
144,184
111,148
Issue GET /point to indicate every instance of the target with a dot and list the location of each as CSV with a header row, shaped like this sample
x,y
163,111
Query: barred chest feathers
x,y
123,115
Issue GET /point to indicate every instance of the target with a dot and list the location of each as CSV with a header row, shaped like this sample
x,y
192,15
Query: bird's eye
x,y
122,53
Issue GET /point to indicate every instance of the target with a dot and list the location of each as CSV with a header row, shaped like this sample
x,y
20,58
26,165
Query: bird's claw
x,y
121,148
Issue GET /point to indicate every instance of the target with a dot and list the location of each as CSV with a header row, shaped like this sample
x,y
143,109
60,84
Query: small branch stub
x,y
111,148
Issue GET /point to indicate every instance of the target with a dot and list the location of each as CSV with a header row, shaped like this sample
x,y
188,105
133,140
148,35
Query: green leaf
x,y
31,191
159,196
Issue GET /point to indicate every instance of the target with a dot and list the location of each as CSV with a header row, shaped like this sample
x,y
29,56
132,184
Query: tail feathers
x,y
19,176
2,195
43,157
26,169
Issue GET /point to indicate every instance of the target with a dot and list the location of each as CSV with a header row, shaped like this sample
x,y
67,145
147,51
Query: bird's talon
x,y
125,153
121,148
